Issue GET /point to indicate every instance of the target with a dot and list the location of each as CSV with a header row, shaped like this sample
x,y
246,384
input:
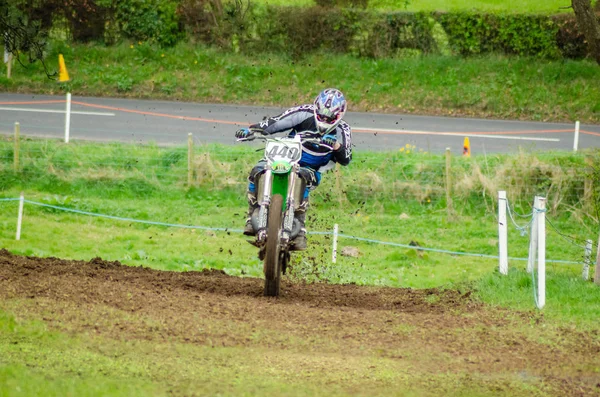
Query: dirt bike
x,y
279,191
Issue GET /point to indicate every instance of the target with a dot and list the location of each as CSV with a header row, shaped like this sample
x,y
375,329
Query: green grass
x,y
504,87
568,298
50,363
527,6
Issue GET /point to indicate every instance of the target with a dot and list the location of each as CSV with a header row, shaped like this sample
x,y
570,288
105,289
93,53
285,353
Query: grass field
x,y
94,327
531,6
402,204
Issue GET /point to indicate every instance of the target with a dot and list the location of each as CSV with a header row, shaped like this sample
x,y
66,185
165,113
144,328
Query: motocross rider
x,y
323,119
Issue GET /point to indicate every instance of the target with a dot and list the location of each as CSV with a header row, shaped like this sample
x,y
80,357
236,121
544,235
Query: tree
x,y
24,30
589,25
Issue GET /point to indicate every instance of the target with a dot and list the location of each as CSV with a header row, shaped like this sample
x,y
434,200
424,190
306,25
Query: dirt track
x,y
437,330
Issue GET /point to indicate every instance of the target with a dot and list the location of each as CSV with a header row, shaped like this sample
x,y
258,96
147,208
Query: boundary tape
x,y
367,240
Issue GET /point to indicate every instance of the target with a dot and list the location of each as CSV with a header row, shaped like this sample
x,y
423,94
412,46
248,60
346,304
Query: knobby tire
x,y
272,254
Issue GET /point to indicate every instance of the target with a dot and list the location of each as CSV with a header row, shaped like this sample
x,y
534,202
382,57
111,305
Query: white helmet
x,y
330,107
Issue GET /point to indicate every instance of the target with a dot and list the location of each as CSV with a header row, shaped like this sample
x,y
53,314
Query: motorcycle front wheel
x,y
272,266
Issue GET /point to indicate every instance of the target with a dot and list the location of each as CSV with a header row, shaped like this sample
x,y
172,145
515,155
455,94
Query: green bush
x,y
300,30
342,3
474,33
339,26
387,34
215,22
201,18
152,20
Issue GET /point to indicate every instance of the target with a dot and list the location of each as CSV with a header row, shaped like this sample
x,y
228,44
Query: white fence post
x,y
20,217
190,162
16,146
68,118
8,60
541,238
502,233
597,269
334,249
587,260
576,140
533,237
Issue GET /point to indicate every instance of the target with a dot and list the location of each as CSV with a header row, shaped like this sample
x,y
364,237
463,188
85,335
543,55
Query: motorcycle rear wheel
x,y
272,263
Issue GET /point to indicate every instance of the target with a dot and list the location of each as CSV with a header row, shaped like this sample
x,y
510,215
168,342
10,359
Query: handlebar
x,y
303,138
250,138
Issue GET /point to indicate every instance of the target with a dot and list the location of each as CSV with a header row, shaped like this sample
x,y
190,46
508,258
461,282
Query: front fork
x,y
288,216
265,201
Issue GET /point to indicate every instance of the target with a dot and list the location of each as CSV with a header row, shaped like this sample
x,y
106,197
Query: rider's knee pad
x,y
256,171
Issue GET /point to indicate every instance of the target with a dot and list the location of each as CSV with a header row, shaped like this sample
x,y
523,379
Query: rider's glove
x,y
244,133
329,140
248,132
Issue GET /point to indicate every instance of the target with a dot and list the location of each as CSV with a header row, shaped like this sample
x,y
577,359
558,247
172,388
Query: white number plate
x,y
284,151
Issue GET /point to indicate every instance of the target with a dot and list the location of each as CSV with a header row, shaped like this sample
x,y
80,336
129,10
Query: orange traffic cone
x,y
63,75
466,147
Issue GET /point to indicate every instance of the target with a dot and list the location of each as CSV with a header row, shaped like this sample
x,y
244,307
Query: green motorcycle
x,y
279,192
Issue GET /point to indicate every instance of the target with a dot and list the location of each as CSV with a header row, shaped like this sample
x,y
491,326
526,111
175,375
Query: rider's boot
x,y
252,205
248,228
299,242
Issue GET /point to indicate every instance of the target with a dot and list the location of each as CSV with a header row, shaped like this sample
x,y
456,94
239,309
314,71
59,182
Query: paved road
x,y
163,122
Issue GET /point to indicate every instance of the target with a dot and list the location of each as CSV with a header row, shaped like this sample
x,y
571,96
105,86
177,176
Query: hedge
x,y
369,33
242,26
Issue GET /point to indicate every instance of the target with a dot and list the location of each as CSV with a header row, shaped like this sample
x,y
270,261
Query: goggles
x,y
326,119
